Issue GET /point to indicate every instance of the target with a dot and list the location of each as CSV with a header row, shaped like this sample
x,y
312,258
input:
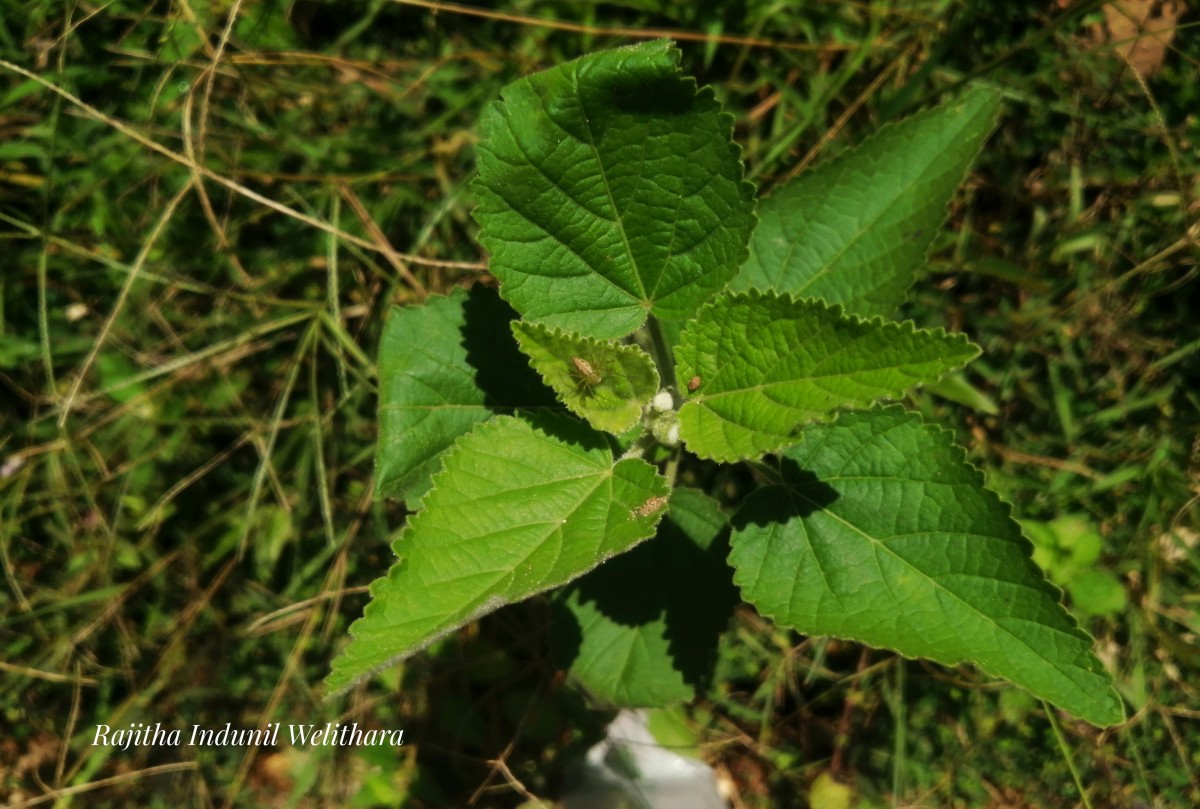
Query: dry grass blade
x,y
48,676
104,783
632,33
122,296
209,174
381,241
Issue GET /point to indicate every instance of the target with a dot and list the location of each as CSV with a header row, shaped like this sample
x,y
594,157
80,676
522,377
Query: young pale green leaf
x,y
444,366
759,366
610,188
516,509
853,230
956,388
606,383
882,533
642,630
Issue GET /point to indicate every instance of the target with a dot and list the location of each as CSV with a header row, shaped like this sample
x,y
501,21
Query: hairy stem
x,y
660,349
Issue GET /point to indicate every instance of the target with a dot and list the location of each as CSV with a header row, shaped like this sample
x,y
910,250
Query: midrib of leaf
x,y
620,215
843,346
627,657
508,577
504,495
619,221
880,545
763,387
441,363
612,202
829,262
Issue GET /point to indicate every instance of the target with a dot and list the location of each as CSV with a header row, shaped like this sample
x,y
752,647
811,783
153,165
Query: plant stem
x,y
638,448
1066,751
661,349
672,469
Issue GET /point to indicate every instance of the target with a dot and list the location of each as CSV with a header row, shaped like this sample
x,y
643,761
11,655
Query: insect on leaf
x,y
606,383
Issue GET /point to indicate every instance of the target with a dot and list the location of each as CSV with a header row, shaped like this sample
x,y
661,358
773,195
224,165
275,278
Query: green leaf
x,y
760,366
16,351
22,150
956,388
882,533
610,188
642,630
119,376
827,792
444,366
516,509
853,230
1068,548
1097,592
606,383
674,727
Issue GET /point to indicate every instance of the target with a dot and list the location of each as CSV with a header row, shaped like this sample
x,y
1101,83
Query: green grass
x,y
187,391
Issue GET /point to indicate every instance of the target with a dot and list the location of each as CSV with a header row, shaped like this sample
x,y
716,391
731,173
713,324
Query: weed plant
x,y
206,211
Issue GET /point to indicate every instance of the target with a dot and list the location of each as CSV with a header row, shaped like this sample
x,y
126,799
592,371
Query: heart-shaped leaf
x,y
609,188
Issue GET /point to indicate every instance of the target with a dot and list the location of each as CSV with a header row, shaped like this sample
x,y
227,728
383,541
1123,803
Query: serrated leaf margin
x,y
1004,513
683,377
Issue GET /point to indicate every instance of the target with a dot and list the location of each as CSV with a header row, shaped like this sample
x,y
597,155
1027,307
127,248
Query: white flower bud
x,y
663,401
665,429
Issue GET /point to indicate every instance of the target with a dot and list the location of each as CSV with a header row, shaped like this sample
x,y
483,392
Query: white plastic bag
x,y
630,770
